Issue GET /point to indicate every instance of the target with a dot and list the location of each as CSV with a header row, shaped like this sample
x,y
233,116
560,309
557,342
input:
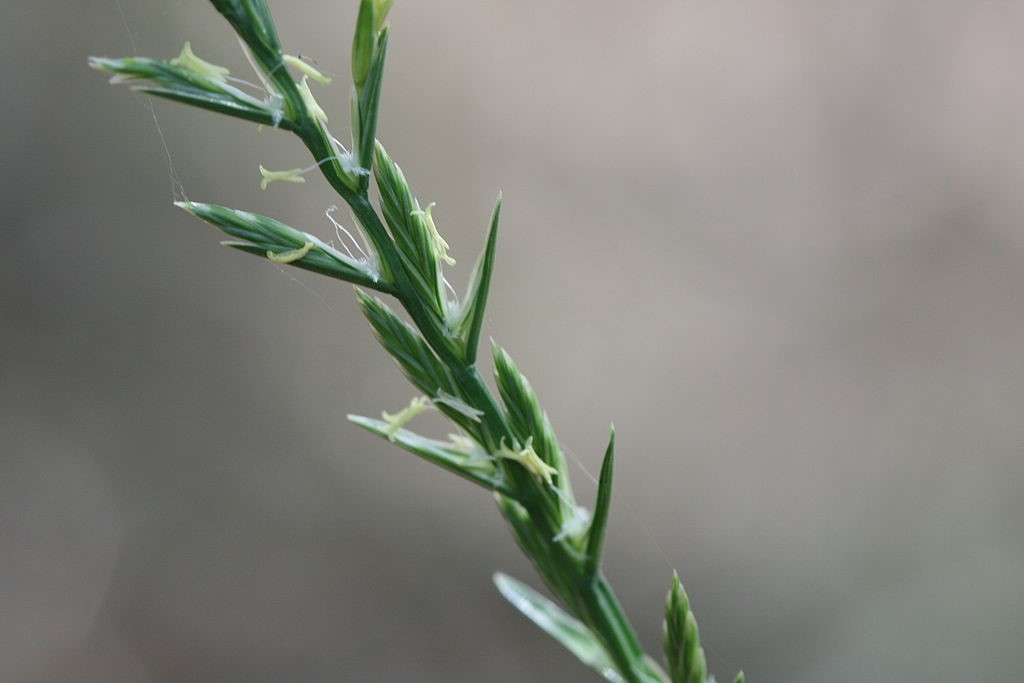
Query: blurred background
x,y
778,243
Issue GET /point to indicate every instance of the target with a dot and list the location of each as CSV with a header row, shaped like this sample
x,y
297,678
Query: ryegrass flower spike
x,y
503,440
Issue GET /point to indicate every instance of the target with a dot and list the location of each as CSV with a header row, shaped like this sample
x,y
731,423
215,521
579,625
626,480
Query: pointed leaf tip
x,y
599,524
472,318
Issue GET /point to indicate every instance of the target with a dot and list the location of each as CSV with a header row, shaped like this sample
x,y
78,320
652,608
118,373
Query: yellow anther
x,y
188,60
290,255
462,443
292,175
311,104
528,458
306,68
395,422
476,456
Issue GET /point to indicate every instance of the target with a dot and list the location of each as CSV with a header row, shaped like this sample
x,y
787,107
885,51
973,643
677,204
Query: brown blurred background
x,y
778,243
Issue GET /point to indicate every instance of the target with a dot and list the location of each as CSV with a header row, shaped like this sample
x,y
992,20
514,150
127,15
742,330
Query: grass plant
x,y
501,438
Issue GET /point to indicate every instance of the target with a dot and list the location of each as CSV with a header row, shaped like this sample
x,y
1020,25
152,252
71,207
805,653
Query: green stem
x,y
607,618
591,600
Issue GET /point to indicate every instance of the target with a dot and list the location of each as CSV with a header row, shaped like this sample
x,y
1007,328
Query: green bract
x,y
504,441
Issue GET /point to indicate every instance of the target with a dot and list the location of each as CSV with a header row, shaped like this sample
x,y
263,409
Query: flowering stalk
x,y
503,442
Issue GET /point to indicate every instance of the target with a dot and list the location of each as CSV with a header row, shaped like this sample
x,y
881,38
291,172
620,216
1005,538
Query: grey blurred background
x,y
778,243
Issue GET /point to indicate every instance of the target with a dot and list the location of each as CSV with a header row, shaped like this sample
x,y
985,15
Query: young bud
x,y
364,41
685,656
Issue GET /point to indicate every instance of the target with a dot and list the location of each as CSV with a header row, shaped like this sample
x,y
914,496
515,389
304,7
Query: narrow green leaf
x,y
472,317
163,79
551,619
317,262
598,525
221,105
476,467
245,225
683,653
369,105
261,235
740,677
357,125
